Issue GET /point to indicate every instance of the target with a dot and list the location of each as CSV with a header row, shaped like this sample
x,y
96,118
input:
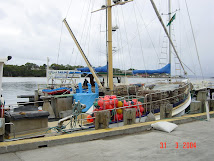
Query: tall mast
x,y
107,40
170,34
47,69
170,47
110,63
165,30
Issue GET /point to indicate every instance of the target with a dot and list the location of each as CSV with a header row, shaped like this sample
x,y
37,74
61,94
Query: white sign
x,y
63,74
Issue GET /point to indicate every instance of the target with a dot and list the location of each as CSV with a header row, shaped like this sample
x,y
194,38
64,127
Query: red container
x,y
2,111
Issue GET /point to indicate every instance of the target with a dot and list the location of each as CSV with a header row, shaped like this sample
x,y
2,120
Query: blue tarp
x,y
98,69
55,90
165,69
86,98
86,69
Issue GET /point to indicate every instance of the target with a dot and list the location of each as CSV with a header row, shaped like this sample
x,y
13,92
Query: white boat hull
x,y
180,109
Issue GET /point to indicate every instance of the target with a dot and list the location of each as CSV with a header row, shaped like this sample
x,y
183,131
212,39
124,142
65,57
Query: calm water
x,y
13,86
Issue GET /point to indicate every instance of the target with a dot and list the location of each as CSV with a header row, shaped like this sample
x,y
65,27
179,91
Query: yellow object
x,y
119,111
120,104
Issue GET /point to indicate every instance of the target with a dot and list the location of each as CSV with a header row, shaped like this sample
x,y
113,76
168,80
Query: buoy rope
x,y
60,40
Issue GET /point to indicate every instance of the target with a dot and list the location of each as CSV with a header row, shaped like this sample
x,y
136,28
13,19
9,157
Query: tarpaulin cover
x,y
165,69
98,69
86,69
86,98
55,90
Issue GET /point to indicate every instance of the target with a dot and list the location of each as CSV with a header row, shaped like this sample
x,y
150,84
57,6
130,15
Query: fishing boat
x,y
177,94
160,99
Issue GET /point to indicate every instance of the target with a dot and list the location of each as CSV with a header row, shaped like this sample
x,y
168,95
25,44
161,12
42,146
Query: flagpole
x,y
170,47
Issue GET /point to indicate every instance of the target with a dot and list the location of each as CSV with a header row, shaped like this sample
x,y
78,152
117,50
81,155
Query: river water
x,y
14,86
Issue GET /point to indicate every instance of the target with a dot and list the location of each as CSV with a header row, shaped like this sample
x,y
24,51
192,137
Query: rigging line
x,y
118,44
161,21
187,67
189,46
85,21
122,57
194,39
80,25
60,40
131,40
180,31
121,60
126,37
139,38
68,9
89,30
148,33
159,42
70,57
184,64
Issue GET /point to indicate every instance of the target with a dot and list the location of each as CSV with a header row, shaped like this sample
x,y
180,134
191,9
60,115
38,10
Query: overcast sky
x,y
32,30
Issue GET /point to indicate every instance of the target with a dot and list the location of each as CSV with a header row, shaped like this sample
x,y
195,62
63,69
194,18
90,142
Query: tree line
x,y
33,70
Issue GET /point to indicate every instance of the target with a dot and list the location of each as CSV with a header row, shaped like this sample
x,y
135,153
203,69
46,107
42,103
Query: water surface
x,y
14,86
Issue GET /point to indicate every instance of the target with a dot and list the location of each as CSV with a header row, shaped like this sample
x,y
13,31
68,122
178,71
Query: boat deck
x,y
166,87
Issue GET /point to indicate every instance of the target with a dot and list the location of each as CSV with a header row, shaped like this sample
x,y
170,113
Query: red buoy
x,y
88,118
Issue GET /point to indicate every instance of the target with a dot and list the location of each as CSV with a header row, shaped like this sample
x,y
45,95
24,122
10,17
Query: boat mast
x,y
110,63
165,29
170,47
47,69
109,39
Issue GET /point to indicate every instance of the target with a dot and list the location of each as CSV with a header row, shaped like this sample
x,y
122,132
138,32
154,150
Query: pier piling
x,y
129,116
102,120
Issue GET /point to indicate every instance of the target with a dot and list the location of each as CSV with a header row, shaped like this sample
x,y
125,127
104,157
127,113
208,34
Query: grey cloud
x,y
37,28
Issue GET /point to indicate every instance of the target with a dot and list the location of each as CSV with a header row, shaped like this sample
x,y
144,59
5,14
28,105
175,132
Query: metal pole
x,y
110,63
107,41
47,69
170,47
170,40
83,54
1,75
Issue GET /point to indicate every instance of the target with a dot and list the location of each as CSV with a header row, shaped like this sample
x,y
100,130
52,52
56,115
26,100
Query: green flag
x,y
173,17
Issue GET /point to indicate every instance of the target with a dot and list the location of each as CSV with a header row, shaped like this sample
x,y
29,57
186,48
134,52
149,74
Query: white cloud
x,y
30,31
